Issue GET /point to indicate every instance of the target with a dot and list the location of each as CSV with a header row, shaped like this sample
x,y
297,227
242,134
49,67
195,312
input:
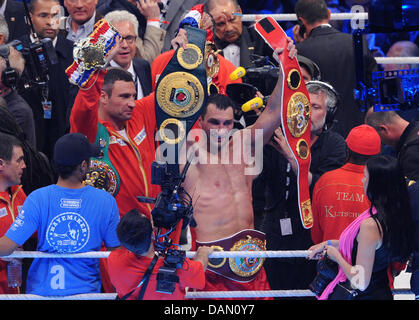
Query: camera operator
x,y
128,265
51,102
11,67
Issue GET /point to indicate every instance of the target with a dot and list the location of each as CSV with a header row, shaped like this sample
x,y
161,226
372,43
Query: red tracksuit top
x,y
134,171
9,209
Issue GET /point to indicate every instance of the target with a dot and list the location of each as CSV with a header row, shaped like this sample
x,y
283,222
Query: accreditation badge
x,y
296,113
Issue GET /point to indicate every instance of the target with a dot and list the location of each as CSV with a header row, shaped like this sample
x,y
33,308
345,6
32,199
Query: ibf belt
x,y
90,53
296,113
181,91
237,269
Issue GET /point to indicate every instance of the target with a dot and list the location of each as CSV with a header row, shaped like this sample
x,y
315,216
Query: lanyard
x,y
143,282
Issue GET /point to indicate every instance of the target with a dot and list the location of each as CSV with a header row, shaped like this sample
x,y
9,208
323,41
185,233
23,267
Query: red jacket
x,y
9,209
338,199
126,271
134,171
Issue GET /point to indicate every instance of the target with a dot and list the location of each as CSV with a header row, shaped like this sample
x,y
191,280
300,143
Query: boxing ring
x,y
190,294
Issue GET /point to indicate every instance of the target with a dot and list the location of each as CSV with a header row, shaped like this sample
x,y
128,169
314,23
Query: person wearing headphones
x,y
281,222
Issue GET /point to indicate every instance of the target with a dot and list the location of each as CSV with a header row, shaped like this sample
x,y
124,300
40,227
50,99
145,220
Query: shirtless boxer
x,y
222,192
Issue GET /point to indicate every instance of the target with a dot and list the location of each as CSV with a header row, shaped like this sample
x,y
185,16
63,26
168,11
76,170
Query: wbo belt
x,y
181,92
238,269
296,113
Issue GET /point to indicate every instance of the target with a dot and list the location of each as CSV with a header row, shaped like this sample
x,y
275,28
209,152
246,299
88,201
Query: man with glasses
x,y
150,33
127,26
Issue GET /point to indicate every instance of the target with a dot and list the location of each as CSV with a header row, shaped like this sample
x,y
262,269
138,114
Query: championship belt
x,y
102,174
296,112
181,91
238,269
90,53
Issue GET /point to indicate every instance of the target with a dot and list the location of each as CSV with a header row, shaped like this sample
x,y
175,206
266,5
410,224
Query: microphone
x,y
254,72
240,72
255,103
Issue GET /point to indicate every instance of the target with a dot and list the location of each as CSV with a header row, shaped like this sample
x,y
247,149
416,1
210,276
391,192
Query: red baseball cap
x,y
364,140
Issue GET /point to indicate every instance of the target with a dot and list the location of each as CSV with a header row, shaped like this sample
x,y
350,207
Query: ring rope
x,y
397,60
189,254
249,294
84,296
189,295
293,16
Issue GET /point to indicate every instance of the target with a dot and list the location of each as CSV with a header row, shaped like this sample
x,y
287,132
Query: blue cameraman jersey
x,y
67,221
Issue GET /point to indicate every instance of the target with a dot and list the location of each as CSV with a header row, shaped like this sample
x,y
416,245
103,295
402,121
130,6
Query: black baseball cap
x,y
72,148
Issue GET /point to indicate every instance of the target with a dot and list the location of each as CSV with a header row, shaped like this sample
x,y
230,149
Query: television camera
x,y
172,205
389,90
39,57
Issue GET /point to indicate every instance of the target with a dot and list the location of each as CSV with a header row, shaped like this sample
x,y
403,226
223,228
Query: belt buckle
x,y
246,267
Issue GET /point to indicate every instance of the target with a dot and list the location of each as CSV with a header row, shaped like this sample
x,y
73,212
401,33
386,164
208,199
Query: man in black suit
x,y
14,13
237,42
51,104
150,34
333,52
140,70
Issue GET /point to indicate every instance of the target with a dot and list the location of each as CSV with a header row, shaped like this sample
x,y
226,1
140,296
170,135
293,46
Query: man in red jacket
x,y
12,196
338,196
108,111
128,265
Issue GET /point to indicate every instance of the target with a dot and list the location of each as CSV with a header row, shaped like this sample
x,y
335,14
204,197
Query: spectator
x,y
381,234
13,12
414,202
399,134
282,222
51,103
333,52
128,265
65,216
38,172
12,195
402,49
4,31
11,66
150,35
81,20
126,24
237,42
338,196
